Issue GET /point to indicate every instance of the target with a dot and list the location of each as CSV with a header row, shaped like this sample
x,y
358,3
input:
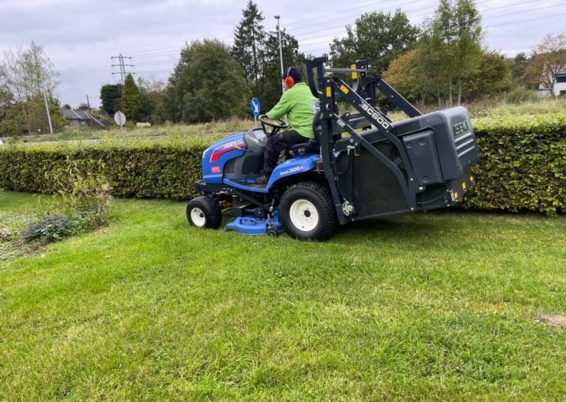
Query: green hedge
x,y
139,171
522,167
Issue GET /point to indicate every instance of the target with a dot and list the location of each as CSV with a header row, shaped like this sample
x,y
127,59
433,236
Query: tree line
x,y
442,61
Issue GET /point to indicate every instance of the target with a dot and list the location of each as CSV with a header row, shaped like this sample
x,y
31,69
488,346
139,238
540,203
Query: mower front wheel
x,y
307,212
204,212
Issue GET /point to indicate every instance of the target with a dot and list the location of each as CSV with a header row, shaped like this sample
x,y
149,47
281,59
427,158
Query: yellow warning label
x,y
464,186
455,195
471,178
328,92
344,88
354,73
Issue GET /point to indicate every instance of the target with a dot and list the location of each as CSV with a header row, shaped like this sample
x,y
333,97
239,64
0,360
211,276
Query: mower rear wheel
x,y
204,212
307,212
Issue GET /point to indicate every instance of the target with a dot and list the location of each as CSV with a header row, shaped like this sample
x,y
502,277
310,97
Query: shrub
x,y
521,94
50,228
83,194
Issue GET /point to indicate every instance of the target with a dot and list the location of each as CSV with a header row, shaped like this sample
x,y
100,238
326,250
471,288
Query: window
x,y
561,78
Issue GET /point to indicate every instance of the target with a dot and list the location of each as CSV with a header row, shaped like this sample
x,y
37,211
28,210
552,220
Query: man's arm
x,y
281,109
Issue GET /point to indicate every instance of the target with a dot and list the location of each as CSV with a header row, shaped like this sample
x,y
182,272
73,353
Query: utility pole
x,y
277,17
89,112
48,114
123,73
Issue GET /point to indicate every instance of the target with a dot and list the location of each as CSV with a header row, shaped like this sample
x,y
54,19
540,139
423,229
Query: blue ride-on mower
x,y
360,165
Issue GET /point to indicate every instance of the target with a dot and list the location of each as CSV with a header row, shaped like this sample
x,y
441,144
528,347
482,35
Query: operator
x,y
300,107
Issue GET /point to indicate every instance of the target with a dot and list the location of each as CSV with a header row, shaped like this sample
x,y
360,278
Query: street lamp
x,y
277,17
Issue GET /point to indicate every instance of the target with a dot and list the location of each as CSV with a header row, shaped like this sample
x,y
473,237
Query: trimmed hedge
x,y
133,171
522,167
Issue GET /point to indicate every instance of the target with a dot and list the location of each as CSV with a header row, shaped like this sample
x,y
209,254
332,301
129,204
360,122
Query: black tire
x,y
204,212
307,212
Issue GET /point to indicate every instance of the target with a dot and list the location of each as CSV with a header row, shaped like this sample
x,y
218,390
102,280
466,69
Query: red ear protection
x,y
289,81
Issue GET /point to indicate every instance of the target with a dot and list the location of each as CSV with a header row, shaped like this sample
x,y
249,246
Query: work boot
x,y
262,179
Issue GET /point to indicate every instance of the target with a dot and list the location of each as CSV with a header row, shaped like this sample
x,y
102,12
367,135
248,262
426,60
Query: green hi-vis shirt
x,y
300,106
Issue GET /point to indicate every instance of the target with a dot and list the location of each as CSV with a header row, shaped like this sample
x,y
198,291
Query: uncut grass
x,y
419,307
209,132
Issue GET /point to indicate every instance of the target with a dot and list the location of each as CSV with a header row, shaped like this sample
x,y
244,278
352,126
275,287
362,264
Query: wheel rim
x,y
197,217
304,215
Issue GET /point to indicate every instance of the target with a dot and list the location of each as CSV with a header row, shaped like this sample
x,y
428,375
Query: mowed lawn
x,y
443,306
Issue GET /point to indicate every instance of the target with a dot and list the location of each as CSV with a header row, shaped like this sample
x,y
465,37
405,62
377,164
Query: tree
x,y
518,66
29,75
249,48
110,95
6,101
405,76
378,37
492,77
547,60
450,48
468,30
153,101
131,102
272,66
207,84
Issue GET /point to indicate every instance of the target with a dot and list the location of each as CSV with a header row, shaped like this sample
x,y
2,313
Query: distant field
x,y
219,129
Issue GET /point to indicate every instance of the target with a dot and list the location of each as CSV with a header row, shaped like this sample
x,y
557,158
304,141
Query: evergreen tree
x,y
131,102
249,46
110,95
272,66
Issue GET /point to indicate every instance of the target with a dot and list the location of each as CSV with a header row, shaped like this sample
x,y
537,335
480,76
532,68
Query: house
x,y
558,81
80,118
560,84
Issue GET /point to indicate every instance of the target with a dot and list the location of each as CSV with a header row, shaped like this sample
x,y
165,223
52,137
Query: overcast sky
x,y
81,36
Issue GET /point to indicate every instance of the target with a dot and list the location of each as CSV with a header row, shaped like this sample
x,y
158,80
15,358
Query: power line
x,y
174,50
309,49
321,20
336,32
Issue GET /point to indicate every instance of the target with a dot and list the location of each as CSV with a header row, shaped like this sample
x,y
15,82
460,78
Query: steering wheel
x,y
275,125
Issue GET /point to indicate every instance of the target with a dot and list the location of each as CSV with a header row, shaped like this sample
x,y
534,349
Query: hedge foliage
x,y
522,167
141,170
523,164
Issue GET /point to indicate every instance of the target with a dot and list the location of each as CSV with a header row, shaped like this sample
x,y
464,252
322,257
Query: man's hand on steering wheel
x,y
275,125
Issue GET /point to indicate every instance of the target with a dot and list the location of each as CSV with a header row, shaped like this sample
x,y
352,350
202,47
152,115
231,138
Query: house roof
x,y
80,115
71,114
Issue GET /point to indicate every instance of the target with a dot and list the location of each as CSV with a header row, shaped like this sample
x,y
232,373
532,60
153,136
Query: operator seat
x,y
312,145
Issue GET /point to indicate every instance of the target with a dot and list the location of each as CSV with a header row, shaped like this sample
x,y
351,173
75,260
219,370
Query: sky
x,y
80,37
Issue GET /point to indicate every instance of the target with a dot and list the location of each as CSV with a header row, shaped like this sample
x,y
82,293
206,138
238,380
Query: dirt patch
x,y
553,320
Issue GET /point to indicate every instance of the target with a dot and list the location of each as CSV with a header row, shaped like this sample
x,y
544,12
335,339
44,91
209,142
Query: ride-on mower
x,y
360,165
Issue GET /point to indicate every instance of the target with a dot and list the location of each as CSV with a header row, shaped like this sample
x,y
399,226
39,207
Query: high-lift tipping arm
x,y
361,96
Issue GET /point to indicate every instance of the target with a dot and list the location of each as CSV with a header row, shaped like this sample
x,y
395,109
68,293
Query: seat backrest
x,y
317,125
